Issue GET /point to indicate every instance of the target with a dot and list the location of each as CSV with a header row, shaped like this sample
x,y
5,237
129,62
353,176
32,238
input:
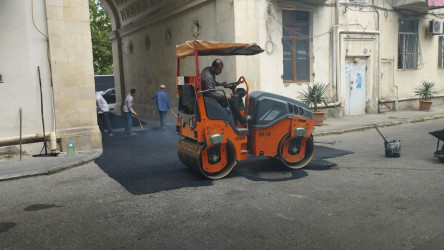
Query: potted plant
x,y
425,92
314,95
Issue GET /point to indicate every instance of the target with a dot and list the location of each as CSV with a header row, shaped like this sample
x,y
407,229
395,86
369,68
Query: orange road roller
x,y
212,140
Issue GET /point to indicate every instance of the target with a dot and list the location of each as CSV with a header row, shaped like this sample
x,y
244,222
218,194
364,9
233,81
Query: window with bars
x,y
295,43
441,52
408,44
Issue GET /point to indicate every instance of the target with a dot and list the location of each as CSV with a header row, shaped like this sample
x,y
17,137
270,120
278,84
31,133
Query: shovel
x,y
392,148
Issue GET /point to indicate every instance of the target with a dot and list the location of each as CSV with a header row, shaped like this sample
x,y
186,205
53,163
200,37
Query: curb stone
x,y
380,125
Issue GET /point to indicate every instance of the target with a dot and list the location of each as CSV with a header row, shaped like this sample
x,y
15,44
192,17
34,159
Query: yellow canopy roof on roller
x,y
209,48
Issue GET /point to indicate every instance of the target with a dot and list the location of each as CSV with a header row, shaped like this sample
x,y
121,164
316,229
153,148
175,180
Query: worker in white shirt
x,y
129,110
103,114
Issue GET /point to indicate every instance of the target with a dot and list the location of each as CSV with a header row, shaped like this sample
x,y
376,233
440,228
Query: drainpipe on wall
x,y
395,105
335,38
379,55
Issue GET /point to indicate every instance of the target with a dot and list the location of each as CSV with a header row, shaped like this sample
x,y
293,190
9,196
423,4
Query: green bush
x,y
314,95
425,90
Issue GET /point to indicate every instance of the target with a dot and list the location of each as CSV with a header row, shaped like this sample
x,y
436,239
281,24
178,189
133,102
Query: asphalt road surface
x,y
138,195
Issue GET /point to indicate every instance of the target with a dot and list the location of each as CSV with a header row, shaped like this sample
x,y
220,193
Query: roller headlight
x,y
300,132
216,139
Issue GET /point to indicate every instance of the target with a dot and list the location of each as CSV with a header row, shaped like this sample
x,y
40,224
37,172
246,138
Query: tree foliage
x,y
100,28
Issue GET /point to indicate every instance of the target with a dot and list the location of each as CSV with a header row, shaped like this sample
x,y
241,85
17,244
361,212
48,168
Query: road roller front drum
x,y
295,153
214,162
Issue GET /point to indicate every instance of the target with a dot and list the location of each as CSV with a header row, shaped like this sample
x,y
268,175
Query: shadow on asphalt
x,y
148,163
268,169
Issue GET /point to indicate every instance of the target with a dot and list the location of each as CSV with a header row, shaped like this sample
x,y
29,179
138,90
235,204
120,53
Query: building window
x,y
441,52
408,44
295,43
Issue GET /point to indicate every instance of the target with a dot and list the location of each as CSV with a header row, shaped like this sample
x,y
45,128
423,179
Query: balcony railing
x,y
305,3
417,6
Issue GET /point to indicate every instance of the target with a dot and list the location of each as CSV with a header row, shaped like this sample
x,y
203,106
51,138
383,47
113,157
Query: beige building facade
x,y
373,53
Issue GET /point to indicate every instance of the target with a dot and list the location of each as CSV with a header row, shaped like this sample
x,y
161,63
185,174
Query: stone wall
x,y
73,74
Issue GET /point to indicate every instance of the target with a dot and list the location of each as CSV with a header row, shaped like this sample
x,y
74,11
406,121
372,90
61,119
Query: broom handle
x,y
173,113
137,116
139,121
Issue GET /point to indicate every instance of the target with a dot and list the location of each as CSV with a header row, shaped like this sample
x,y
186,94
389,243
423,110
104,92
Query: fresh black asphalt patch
x,y
5,226
147,163
36,207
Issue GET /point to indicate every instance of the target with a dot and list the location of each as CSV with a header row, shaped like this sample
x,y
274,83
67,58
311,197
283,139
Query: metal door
x,y
355,84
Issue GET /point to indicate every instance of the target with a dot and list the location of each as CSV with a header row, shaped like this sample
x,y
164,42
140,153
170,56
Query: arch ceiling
x,y
130,12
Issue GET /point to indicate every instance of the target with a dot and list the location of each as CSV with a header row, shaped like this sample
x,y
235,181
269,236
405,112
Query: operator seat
x,y
239,94
216,112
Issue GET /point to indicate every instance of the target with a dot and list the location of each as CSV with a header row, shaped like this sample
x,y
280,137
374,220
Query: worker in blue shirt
x,y
163,104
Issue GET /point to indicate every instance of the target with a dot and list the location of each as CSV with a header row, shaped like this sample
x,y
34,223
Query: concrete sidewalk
x,y
32,166
344,124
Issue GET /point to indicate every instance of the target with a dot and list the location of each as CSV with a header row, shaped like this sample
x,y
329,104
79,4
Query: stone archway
x,y
144,35
117,53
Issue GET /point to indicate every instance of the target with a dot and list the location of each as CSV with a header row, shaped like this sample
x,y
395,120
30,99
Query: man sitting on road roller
x,y
208,77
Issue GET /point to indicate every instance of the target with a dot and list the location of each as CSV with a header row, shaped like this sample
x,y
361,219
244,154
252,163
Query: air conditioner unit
x,y
435,28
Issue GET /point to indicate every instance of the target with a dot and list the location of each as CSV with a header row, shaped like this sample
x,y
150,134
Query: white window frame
x,y
293,40
408,47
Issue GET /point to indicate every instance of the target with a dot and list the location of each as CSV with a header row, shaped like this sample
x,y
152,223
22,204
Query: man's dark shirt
x,y
209,82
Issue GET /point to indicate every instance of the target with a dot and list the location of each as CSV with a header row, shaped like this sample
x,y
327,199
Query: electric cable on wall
x,y
48,53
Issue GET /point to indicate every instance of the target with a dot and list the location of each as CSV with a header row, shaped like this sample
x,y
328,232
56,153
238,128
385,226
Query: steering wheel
x,y
232,86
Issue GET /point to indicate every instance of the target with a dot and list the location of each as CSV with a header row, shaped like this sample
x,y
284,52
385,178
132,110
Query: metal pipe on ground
x,y
408,99
9,141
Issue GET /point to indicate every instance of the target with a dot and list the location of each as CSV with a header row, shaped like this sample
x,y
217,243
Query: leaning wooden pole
x,y
43,117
